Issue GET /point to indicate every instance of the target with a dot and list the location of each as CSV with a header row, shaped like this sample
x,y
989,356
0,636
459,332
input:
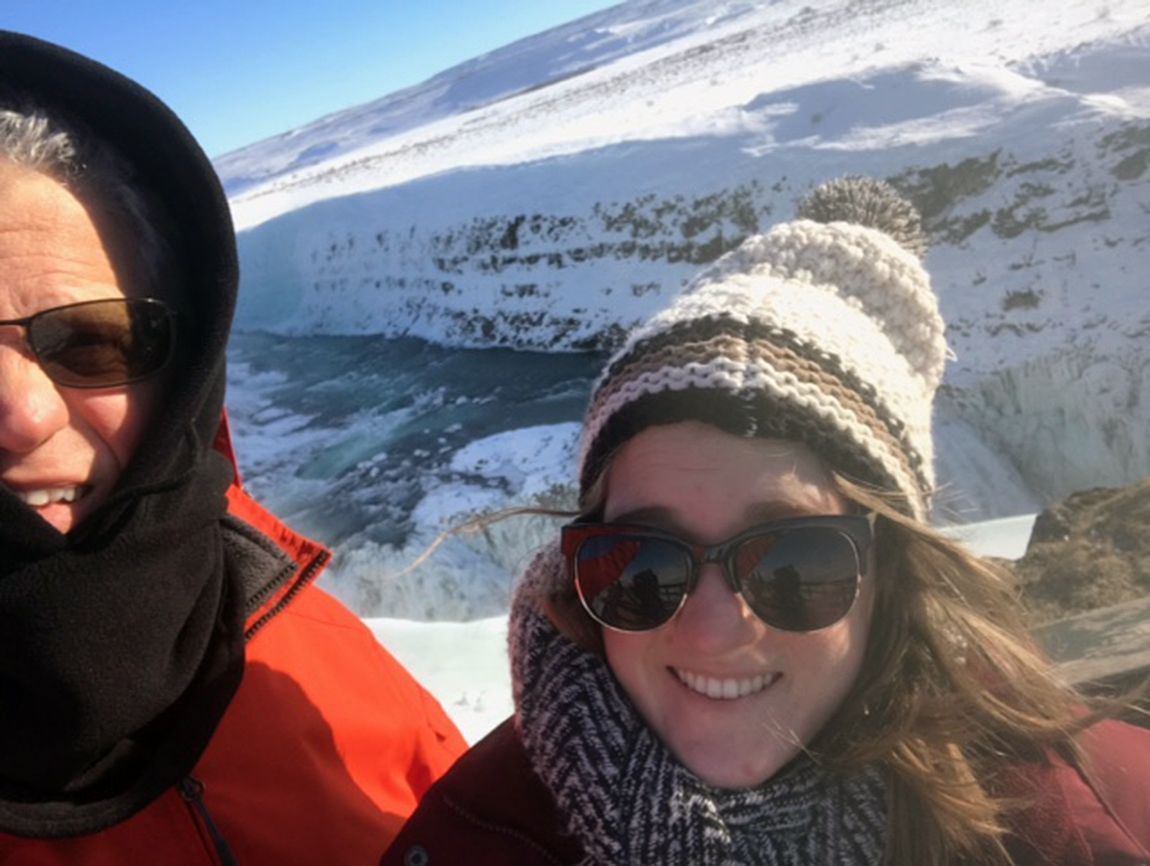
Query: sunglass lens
x,y
799,579
631,582
102,344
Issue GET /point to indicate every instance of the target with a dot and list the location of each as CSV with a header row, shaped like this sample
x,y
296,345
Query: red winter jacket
x,y
492,810
324,751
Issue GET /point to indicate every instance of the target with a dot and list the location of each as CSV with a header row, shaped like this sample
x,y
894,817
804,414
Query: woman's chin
x,y
720,768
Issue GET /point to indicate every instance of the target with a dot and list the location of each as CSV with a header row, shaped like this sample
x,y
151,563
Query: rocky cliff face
x,y
1039,264
1069,420
556,211
1038,255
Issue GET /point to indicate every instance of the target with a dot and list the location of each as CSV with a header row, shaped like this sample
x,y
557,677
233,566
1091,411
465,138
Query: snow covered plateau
x,y
430,280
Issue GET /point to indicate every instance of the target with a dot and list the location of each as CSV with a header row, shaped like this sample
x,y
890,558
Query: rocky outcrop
x,y
1085,585
1088,551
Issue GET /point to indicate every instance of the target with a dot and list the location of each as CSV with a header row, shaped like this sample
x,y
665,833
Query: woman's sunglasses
x,y
100,344
798,574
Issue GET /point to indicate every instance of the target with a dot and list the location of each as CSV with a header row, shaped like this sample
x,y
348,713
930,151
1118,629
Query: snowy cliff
x,y
548,195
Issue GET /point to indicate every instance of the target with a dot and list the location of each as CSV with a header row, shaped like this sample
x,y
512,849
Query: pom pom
x,y
867,202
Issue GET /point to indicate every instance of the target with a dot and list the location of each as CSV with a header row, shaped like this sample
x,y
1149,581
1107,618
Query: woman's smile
x,y
733,698
725,688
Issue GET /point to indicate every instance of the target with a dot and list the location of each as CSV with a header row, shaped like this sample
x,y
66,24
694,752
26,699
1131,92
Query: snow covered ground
x,y
464,664
609,76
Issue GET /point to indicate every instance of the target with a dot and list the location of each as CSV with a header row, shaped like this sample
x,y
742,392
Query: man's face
x,y
61,449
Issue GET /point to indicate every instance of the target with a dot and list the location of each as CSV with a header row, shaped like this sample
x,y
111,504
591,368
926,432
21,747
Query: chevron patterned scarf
x,y
629,801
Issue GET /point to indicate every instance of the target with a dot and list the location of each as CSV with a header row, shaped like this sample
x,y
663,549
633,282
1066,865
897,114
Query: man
x,y
173,688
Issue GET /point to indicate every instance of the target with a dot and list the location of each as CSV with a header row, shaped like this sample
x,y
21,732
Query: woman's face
x,y
707,486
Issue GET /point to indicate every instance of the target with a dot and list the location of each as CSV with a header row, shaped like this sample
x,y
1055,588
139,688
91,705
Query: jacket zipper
x,y
192,790
305,578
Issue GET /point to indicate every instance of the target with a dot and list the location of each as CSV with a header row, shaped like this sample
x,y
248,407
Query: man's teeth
x,y
40,498
724,689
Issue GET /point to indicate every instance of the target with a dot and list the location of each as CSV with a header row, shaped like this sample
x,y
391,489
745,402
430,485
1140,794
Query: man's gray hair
x,y
30,141
37,139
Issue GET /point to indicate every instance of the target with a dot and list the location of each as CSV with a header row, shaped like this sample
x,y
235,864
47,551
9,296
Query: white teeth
x,y
724,689
40,498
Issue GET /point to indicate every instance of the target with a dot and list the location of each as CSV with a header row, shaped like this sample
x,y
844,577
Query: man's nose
x,y
32,409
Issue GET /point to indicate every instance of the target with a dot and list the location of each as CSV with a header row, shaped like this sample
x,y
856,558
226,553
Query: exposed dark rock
x,y
1089,551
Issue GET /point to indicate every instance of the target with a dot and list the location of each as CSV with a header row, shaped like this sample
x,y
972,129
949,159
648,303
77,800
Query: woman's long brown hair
x,y
953,696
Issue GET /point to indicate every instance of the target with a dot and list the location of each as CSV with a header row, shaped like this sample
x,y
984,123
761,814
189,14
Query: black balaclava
x,y
121,643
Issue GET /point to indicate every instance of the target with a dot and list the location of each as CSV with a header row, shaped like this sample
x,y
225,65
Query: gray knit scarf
x,y
629,801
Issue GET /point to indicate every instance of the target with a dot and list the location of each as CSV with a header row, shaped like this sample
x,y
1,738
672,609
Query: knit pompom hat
x,y
824,330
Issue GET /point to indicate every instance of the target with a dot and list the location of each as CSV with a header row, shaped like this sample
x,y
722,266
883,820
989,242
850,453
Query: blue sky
x,y
238,71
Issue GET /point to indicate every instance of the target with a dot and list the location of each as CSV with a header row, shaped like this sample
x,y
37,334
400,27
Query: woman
x,y
748,647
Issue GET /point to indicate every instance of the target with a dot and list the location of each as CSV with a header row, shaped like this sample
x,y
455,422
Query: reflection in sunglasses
x,y
798,574
100,344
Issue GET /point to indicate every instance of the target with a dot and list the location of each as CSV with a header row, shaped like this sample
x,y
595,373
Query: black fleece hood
x,y
167,160
122,642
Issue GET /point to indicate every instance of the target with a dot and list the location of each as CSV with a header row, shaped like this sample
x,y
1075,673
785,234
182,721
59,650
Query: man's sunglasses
x,y
100,344
797,574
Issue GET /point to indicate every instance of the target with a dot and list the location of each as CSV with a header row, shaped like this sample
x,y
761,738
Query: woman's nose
x,y
713,618
32,409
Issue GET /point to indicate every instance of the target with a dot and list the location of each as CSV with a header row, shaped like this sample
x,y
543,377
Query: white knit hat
x,y
825,332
